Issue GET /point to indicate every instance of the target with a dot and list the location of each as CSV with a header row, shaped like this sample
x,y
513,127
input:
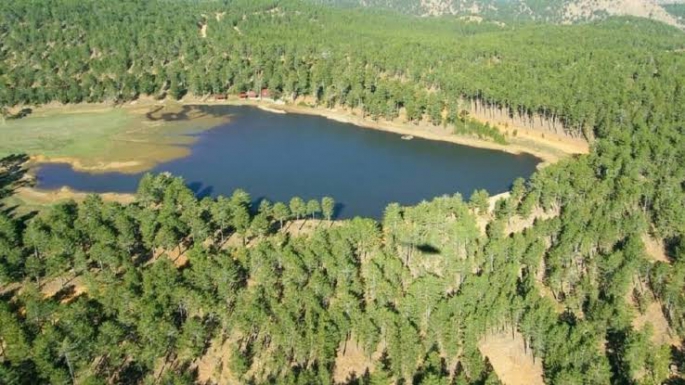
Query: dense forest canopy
x,y
98,292
384,64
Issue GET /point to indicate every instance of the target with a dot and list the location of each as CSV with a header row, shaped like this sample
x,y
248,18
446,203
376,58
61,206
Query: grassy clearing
x,y
55,134
97,138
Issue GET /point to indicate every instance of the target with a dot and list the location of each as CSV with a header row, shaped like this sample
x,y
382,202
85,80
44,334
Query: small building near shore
x,y
264,93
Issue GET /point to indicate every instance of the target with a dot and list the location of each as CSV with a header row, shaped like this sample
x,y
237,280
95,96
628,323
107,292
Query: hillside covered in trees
x,y
582,262
97,51
513,11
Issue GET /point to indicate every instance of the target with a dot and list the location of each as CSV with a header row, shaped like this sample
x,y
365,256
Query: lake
x,y
278,156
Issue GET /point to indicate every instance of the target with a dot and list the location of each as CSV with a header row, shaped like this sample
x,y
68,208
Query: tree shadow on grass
x,y
673,247
13,175
187,112
24,112
677,365
615,344
65,293
427,249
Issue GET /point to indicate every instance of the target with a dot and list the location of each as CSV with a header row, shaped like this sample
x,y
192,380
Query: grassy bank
x,y
129,138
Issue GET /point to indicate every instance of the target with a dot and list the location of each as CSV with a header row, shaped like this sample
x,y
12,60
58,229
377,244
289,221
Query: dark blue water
x,y
280,156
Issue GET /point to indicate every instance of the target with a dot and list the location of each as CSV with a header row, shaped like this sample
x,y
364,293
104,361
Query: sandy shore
x,y
270,109
127,167
549,147
44,197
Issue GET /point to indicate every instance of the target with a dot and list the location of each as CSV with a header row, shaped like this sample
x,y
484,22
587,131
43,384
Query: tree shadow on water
x,y
338,208
201,190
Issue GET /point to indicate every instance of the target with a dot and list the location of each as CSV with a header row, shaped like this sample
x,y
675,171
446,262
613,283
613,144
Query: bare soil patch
x,y
538,140
213,367
662,333
351,362
302,227
492,201
655,249
177,256
518,224
587,9
510,360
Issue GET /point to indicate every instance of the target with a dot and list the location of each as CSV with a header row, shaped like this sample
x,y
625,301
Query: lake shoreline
x,y
37,196
51,193
549,150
